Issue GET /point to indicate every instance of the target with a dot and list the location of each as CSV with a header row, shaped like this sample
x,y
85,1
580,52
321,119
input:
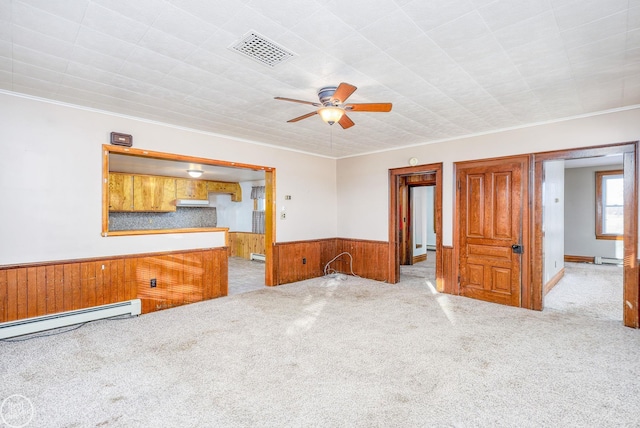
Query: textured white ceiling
x,y
450,67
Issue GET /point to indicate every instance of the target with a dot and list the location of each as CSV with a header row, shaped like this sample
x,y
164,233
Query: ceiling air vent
x,y
259,48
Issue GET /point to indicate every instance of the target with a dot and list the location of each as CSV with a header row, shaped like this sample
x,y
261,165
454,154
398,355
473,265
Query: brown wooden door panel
x,y
404,237
502,209
475,206
492,196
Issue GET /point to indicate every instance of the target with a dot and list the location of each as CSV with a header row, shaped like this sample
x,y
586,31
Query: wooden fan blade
x,y
343,92
303,116
298,101
345,122
379,107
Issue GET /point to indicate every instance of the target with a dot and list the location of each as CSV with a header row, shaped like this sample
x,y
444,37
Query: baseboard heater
x,y
606,261
256,256
64,319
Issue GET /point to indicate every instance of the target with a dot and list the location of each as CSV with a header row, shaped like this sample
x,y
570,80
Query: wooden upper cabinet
x,y
191,189
140,193
225,187
152,193
120,192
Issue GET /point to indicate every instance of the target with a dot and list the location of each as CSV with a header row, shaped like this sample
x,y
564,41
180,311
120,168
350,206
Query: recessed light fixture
x,y
195,173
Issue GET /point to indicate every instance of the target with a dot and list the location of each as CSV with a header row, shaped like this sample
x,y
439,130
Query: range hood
x,y
200,203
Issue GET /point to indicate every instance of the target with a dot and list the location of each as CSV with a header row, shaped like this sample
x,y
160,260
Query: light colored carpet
x,y
333,353
587,289
421,270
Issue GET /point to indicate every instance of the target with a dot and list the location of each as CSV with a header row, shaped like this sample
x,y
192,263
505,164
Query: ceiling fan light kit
x,y
333,106
331,115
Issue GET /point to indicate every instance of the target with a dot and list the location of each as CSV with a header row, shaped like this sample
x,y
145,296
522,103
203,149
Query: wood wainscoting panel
x,y
300,260
182,277
21,285
4,295
369,258
242,244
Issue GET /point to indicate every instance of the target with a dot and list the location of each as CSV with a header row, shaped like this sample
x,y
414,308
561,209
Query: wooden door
x,y
404,224
493,197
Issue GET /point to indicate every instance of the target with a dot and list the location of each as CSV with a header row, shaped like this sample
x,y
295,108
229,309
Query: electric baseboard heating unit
x,y
598,260
64,319
256,256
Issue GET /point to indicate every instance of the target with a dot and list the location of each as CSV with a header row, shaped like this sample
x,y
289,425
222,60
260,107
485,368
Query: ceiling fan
x,y
333,107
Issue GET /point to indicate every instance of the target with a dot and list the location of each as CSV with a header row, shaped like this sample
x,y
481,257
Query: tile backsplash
x,y
182,218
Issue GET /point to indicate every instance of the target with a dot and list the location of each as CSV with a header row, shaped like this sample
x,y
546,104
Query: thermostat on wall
x,y
119,139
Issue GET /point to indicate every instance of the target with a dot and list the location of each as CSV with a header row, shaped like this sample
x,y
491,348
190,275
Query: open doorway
x,y
418,248
245,220
251,249
415,216
583,201
550,228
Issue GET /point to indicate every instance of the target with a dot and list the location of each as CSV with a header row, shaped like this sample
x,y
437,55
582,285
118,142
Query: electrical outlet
x,y
287,197
304,260
283,216
153,283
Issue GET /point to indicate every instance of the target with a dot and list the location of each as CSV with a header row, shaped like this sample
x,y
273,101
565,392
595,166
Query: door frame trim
x,y
395,174
631,314
525,263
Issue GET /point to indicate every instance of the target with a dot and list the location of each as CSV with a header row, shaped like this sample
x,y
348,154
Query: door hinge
x,y
458,279
459,185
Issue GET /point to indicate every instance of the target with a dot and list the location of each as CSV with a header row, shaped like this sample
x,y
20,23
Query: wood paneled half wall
x,y
300,260
181,277
242,244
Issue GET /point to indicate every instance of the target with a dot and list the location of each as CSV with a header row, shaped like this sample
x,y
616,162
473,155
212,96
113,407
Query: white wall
x,y
580,215
363,181
237,216
423,212
51,191
553,220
